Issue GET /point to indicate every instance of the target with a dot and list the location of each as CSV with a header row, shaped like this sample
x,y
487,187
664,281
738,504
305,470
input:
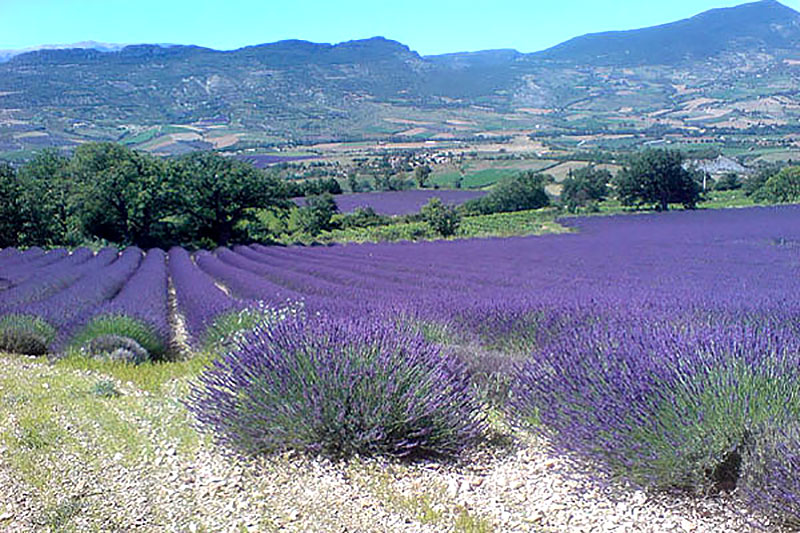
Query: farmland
x,y
657,348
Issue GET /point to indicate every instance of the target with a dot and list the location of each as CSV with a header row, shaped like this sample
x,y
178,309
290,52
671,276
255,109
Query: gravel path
x,y
164,477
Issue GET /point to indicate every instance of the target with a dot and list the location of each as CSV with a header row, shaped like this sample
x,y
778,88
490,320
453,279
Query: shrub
x,y
116,348
524,191
769,479
753,184
442,219
782,187
121,326
361,217
229,328
105,389
25,334
584,186
660,404
338,387
315,217
728,182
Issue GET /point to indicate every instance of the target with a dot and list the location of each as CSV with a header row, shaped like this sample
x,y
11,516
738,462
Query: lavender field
x,y
662,348
394,203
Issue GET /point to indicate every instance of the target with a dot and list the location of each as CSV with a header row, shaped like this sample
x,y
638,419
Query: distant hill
x,y
750,28
733,69
5,55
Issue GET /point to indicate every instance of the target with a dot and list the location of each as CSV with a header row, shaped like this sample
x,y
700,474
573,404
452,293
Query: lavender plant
x,y
658,402
339,387
769,479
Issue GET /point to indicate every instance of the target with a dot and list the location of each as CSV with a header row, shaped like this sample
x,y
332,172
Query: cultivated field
x,y
638,373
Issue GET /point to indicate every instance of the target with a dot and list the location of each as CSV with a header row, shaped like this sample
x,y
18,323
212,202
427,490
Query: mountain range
x,y
725,70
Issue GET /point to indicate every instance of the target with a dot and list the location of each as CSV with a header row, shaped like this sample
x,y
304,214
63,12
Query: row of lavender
x,y
663,348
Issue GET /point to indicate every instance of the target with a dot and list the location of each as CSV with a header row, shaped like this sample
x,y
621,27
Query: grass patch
x,y
531,222
59,425
150,376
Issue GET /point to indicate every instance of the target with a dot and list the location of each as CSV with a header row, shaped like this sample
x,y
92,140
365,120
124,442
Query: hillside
x,y
759,27
729,70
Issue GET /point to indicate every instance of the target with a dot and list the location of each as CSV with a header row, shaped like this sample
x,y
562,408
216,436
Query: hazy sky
x,y
427,26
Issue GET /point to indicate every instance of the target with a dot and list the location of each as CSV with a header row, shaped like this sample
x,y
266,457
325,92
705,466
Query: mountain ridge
x,y
718,67
706,34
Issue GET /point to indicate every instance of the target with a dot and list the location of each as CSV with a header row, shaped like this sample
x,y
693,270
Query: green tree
x,y
352,182
216,194
657,178
48,201
585,185
753,184
442,219
314,217
783,187
523,191
125,195
10,214
421,175
728,182
362,217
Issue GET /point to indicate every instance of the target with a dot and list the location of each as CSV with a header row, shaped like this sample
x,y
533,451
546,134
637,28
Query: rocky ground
x,y
76,457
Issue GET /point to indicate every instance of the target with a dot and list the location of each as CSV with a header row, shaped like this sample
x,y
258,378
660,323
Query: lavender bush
x,y
658,402
25,334
338,387
770,479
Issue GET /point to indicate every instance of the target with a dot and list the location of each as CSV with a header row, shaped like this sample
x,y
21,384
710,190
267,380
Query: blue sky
x,y
427,26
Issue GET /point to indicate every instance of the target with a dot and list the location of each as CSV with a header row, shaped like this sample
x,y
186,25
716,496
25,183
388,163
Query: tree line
x,y
107,193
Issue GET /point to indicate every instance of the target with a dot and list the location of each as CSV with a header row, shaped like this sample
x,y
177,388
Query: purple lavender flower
x,y
338,386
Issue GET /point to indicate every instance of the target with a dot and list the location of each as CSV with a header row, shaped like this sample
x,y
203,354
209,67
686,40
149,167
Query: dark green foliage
x,y
442,219
110,193
296,189
125,195
523,191
49,201
657,178
314,217
352,182
25,335
215,194
753,184
387,181
728,182
421,175
585,185
783,187
10,216
361,217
